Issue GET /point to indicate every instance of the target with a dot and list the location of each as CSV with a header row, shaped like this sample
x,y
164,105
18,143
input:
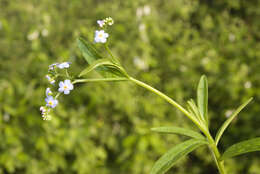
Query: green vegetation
x,y
105,127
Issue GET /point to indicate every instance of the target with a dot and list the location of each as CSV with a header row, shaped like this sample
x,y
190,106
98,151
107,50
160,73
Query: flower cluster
x,y
104,22
100,35
64,87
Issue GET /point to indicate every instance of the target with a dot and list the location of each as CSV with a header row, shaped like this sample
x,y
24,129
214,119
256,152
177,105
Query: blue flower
x,y
65,86
101,23
64,65
101,36
51,102
51,67
48,92
51,80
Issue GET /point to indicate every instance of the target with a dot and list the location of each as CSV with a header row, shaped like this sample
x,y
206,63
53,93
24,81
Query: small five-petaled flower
x,y
65,86
51,102
101,36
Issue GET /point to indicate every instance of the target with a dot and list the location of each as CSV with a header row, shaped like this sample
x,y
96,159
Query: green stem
x,y
212,144
110,53
171,101
216,154
67,73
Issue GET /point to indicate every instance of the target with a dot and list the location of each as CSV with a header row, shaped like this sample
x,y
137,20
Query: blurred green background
x,y
104,128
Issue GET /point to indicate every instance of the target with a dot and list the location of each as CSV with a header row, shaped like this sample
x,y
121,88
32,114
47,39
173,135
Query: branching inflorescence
x,y
110,69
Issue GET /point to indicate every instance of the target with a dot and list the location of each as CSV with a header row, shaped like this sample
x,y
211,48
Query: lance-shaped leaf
x,y
107,66
202,98
88,50
178,130
192,107
229,120
242,147
170,158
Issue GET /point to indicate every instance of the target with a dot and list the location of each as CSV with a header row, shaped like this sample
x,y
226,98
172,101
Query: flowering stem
x,y
110,53
67,73
57,95
212,144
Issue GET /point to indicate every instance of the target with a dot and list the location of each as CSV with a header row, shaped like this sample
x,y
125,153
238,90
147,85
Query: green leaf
x,y
100,80
229,120
94,65
202,98
107,66
178,130
88,50
174,154
194,110
242,147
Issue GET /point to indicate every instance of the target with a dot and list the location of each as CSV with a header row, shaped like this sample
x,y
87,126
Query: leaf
x,y
242,147
100,80
202,98
229,120
88,50
178,130
174,154
194,110
94,65
107,66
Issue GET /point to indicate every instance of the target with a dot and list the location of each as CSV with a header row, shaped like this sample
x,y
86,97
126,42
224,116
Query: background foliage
x,y
104,128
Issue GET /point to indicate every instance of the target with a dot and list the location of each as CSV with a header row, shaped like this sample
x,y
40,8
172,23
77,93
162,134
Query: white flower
x,y
100,36
45,32
65,87
34,35
64,65
248,84
6,117
139,12
141,64
51,102
228,113
51,80
48,92
147,10
101,23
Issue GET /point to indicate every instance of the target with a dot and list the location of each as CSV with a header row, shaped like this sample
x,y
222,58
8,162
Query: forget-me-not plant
x,y
197,111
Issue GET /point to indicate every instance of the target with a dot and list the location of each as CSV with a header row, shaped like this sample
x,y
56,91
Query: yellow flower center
x,y
50,103
65,87
100,35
